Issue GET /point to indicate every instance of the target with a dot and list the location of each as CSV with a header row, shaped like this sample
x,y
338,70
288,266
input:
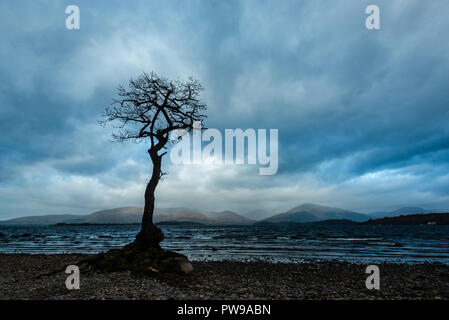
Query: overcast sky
x,y
362,114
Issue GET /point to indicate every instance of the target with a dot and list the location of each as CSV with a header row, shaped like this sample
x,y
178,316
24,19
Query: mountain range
x,y
304,213
131,215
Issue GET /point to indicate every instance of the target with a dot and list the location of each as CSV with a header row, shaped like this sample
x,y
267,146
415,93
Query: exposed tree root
x,y
136,259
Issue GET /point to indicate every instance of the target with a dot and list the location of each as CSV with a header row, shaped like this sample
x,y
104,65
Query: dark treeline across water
x,y
411,244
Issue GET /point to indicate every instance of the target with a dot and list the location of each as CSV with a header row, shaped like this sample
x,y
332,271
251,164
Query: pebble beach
x,y
24,276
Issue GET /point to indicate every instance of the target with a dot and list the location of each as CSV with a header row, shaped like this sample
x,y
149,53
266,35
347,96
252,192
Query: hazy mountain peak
x,y
312,207
121,210
310,212
230,217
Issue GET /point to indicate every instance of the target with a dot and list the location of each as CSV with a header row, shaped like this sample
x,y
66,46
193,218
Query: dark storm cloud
x,y
355,108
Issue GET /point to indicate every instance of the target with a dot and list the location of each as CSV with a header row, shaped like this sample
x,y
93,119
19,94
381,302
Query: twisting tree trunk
x,y
150,236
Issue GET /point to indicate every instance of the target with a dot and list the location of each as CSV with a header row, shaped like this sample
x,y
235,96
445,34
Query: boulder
x,y
177,265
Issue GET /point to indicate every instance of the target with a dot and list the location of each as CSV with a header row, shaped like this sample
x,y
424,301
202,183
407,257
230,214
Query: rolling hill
x,y
118,215
230,217
184,215
258,214
312,212
44,220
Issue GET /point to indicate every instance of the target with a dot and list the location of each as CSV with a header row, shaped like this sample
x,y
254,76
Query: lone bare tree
x,y
148,110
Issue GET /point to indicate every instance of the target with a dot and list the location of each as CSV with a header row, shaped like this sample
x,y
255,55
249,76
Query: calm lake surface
x,y
411,244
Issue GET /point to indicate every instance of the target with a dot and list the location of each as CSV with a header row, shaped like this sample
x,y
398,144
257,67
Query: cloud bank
x,y
362,114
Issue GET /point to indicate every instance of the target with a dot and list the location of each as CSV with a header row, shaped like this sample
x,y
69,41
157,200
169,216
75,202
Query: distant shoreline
x,y
410,220
128,224
441,219
63,224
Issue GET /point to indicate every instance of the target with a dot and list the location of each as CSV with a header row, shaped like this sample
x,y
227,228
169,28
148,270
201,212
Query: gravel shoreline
x,y
222,280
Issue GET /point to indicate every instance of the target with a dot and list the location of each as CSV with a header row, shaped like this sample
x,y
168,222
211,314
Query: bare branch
x,y
152,106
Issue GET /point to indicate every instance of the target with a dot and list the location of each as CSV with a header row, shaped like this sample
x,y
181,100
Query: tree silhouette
x,y
148,110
